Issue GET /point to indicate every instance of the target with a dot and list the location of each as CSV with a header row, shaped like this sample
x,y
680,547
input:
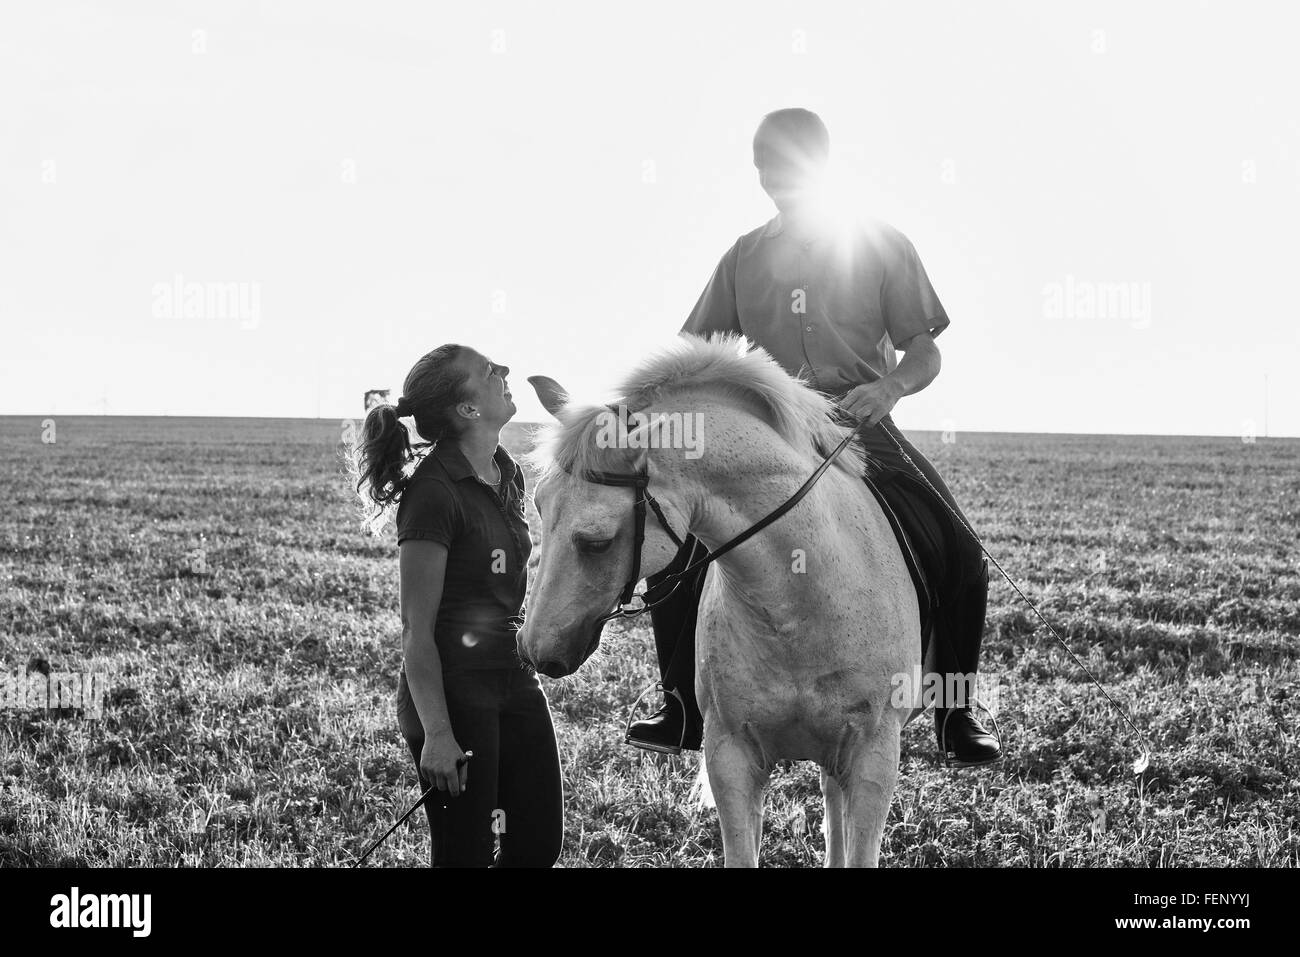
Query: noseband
x,y
633,605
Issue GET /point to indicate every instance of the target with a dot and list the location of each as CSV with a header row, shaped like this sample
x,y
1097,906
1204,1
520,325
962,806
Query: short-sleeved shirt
x,y
830,310
486,534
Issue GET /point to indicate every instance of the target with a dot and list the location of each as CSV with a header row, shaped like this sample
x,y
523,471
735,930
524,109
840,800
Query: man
x,y
831,301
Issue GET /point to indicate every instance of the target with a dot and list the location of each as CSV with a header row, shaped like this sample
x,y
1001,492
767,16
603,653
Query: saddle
x,y
921,534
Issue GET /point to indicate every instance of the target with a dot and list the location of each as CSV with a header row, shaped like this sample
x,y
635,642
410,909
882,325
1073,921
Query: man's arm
x,y
913,318
916,370
919,365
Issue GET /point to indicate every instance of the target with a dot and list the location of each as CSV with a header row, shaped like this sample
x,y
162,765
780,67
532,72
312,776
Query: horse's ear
x,y
552,395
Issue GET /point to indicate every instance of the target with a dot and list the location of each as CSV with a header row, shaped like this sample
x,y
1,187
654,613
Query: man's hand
x,y
873,401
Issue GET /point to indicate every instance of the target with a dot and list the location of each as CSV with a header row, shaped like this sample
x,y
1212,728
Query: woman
x,y
464,548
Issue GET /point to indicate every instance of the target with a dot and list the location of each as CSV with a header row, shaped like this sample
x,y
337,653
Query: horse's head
x,y
586,553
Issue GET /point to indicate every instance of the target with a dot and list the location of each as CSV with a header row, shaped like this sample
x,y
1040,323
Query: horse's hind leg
x,y
833,820
868,785
736,777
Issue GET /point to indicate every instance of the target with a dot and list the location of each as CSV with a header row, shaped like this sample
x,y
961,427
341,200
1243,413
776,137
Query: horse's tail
x,y
700,791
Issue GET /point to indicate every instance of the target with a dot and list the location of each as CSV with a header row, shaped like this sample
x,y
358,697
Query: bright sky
x,y
555,189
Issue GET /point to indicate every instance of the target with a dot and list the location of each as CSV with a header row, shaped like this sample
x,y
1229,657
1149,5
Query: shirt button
x,y
807,328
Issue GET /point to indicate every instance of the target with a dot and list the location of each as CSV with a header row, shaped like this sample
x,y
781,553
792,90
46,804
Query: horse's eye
x,y
594,547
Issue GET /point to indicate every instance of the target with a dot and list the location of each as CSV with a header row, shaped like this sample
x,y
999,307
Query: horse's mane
x,y
727,366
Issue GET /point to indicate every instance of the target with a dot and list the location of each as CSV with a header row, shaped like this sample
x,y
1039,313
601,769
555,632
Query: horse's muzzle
x,y
557,665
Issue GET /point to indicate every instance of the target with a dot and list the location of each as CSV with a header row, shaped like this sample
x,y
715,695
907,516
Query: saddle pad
x,y
925,595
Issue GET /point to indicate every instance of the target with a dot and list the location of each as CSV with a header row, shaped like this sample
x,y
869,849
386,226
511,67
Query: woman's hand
x,y
444,764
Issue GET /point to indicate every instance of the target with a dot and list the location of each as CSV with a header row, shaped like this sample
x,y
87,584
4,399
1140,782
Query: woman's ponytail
x,y
383,452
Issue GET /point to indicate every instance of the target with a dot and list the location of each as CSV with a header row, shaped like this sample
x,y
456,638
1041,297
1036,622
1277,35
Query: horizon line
x,y
357,418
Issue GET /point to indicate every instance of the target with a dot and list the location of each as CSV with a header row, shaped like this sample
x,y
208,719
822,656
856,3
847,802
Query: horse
x,y
804,631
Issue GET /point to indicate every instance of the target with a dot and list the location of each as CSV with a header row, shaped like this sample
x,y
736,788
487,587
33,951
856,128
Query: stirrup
x,y
646,745
948,762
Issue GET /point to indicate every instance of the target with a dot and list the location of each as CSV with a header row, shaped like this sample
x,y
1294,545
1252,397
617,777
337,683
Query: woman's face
x,y
486,389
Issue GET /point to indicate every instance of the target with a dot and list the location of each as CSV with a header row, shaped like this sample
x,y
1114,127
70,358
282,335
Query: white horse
x,y
804,630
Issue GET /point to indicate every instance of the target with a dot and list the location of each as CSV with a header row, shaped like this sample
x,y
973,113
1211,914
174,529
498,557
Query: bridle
x,y
639,482
633,605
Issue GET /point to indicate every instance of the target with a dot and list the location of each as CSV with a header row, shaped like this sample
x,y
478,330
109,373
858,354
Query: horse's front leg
x,y
868,783
833,819
737,776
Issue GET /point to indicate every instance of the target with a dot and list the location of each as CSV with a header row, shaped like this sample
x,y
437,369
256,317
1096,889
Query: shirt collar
x,y
776,226
453,460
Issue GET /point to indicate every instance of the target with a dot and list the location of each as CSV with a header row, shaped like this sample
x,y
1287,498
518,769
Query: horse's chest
x,y
783,681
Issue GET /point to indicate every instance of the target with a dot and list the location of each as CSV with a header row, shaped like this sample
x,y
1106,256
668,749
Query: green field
x,y
216,571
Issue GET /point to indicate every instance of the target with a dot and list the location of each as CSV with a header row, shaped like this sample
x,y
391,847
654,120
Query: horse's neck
x,y
747,473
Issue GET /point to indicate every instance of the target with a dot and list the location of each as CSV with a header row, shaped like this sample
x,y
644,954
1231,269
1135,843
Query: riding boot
x,y
965,741
677,725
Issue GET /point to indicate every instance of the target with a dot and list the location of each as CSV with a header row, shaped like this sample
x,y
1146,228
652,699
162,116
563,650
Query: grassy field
x,y
215,570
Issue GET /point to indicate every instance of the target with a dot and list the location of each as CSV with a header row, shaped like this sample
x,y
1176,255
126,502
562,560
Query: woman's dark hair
x,y
383,451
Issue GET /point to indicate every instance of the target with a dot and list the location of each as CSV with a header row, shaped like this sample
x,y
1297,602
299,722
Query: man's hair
x,y
794,133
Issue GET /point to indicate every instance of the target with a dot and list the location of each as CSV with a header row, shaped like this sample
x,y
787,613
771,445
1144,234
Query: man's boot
x,y
962,738
663,731
677,724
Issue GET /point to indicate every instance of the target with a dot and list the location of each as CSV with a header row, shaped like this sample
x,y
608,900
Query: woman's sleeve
x,y
429,511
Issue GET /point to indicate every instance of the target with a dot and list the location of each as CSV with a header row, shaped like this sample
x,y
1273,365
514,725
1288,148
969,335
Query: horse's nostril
x,y
553,669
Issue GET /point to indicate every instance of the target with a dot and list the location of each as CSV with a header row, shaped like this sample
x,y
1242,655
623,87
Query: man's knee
x,y
974,572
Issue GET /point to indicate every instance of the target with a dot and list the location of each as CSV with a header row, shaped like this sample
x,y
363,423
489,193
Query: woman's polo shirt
x,y
487,554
